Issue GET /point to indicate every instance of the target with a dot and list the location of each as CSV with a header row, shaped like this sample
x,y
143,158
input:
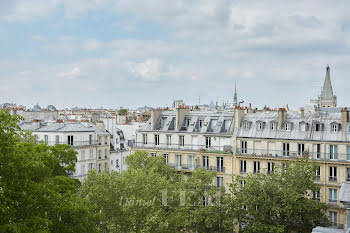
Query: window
x,y
318,151
244,147
317,195
348,174
243,166
333,218
270,167
111,163
205,201
241,186
144,139
200,123
260,125
70,140
302,127
205,162
91,166
287,127
333,195
188,122
285,149
99,154
246,125
332,173
166,156
57,139
99,168
301,148
178,160
182,140
123,160
191,162
348,153
82,169
83,155
219,181
256,167
153,154
334,127
90,139
273,125
317,127
156,139
46,138
318,173
91,153
333,152
207,142
106,154
220,164
117,163
105,166
168,140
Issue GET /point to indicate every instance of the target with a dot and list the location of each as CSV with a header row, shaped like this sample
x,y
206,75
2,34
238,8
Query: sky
x,y
131,53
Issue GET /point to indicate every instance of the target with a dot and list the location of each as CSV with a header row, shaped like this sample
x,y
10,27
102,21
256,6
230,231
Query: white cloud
x,y
74,73
91,45
149,70
39,38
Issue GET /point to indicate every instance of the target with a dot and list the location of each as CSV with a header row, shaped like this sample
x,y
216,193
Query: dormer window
x,y
287,127
302,126
348,128
260,125
273,125
188,120
246,125
334,127
317,127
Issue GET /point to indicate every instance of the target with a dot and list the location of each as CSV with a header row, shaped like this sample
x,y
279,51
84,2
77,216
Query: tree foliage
x,y
123,112
36,193
279,202
151,197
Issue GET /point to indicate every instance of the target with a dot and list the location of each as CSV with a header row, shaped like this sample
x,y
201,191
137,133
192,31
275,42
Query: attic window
x,y
246,125
318,127
287,127
302,127
334,128
273,125
260,125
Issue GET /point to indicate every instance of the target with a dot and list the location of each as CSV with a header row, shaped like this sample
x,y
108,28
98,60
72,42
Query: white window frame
x,y
287,127
334,128
333,195
244,145
144,139
166,158
243,166
156,139
333,152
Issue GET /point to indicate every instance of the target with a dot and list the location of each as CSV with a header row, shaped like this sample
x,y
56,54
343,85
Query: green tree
x,y
151,197
36,193
279,202
122,112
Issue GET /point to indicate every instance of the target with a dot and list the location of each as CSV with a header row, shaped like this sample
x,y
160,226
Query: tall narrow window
x,y
317,195
285,149
243,166
318,151
191,162
318,127
333,152
205,162
207,142
144,139
220,164
318,173
182,140
70,140
244,147
99,154
82,157
333,218
166,156
219,181
156,139
46,138
90,139
348,174
301,148
57,139
242,183
333,195
270,167
334,127
168,140
287,127
256,167
106,154
273,125
332,173
178,160
348,153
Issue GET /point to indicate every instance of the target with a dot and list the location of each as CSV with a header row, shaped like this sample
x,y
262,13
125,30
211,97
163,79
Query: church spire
x,y
235,101
327,99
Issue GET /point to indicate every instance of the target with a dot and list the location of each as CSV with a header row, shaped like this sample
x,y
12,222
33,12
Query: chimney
x,y
180,117
155,114
302,112
344,118
282,117
238,117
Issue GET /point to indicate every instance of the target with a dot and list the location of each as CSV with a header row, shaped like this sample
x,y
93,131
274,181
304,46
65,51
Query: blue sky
x,y
112,53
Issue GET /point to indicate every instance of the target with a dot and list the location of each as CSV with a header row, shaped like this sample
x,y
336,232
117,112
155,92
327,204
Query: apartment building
x,y
88,141
189,140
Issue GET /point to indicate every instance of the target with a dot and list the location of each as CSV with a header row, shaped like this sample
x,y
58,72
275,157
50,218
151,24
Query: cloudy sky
x,y
131,53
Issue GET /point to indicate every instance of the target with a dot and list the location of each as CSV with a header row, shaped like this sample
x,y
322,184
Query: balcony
x,y
74,143
243,171
186,147
333,178
192,167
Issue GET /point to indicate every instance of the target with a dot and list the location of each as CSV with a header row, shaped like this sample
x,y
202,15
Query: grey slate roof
x,y
56,127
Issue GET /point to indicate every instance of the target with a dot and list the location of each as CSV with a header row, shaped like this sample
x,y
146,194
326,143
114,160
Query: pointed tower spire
x,y
327,99
235,101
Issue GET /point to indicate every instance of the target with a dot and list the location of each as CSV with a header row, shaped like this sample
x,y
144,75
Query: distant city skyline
x,y
135,53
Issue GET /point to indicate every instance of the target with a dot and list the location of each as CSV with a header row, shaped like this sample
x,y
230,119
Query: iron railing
x,y
73,144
